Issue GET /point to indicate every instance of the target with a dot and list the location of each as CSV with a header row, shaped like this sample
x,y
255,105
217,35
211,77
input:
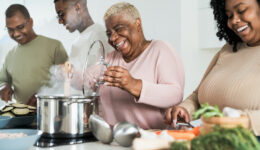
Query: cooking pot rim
x,y
65,97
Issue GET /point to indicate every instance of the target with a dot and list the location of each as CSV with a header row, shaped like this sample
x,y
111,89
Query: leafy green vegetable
x,y
179,145
221,138
226,139
207,111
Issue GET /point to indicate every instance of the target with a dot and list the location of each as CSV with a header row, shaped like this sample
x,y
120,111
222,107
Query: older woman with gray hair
x,y
144,78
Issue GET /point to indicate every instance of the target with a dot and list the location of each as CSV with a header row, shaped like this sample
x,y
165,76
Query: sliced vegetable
x,y
9,114
8,108
17,105
21,111
182,134
31,107
32,110
18,110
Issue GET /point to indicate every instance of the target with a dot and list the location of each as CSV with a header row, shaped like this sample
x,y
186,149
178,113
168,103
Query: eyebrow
x,y
118,25
114,27
16,26
237,5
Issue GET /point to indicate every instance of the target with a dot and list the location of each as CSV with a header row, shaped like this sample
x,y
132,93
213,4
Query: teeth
x,y
19,38
119,44
242,28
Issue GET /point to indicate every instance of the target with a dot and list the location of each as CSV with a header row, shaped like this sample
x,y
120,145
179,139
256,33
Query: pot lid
x,y
94,69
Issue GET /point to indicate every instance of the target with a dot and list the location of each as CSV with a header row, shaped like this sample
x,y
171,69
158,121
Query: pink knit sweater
x,y
162,74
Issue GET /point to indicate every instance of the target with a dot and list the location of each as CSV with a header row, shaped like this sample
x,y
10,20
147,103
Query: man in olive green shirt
x,y
27,65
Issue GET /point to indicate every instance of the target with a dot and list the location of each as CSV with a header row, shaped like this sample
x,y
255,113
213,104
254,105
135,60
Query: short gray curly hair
x,y
122,8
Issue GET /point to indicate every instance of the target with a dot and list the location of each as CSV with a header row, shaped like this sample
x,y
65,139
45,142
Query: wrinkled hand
x,y
32,101
120,77
176,114
6,93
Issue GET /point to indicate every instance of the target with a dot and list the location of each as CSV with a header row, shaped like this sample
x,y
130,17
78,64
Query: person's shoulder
x,y
99,30
11,53
94,28
48,39
226,48
159,43
160,46
12,50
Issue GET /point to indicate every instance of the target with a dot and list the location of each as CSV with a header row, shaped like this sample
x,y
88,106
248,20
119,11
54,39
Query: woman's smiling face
x,y
244,19
124,34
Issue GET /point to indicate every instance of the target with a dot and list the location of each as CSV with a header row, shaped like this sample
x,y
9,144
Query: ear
x,y
77,6
31,21
138,24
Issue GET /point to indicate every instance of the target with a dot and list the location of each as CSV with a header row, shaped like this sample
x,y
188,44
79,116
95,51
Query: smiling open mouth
x,y
19,38
120,44
242,28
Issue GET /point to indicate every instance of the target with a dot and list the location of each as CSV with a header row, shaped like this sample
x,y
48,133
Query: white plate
x,y
20,143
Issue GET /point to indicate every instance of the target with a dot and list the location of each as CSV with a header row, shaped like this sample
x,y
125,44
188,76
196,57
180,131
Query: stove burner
x,y
51,142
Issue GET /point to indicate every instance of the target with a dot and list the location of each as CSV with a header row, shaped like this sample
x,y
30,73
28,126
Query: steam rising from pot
x,y
84,80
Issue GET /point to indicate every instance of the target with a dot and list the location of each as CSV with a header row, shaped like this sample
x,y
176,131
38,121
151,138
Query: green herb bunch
x,y
207,111
237,138
220,138
182,145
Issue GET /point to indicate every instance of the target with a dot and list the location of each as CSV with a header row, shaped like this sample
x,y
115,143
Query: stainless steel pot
x,y
65,116
68,116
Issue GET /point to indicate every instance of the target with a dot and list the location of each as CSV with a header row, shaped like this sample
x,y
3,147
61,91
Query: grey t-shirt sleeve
x,y
60,56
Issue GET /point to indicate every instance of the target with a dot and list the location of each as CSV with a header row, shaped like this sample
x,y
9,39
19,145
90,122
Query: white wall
x,y
198,40
187,24
160,20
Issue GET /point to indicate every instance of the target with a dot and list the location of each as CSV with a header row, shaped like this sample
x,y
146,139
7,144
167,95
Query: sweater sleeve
x,y
191,103
169,70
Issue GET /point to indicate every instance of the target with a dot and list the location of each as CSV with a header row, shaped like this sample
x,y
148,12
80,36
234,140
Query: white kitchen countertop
x,y
86,146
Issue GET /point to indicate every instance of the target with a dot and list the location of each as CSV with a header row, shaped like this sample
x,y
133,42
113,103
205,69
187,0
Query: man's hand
x,y
32,101
6,93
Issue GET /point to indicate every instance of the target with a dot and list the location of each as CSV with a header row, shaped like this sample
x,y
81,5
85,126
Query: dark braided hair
x,y
220,16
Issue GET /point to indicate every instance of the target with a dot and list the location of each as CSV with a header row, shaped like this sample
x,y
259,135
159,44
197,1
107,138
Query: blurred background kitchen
x,y
187,24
